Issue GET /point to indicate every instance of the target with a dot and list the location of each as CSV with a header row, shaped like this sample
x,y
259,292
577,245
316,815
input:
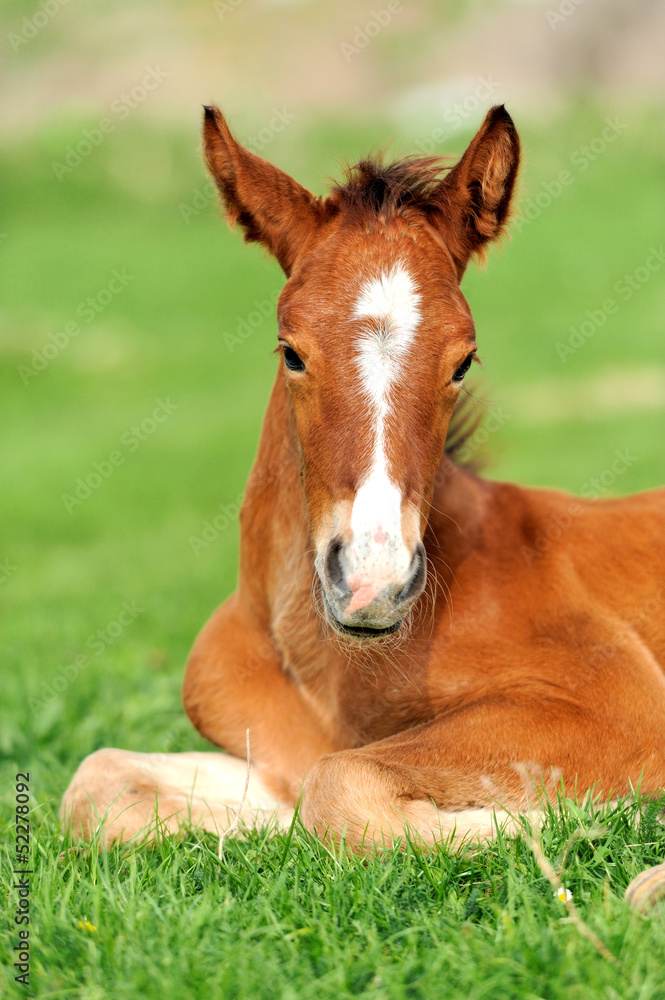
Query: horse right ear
x,y
272,208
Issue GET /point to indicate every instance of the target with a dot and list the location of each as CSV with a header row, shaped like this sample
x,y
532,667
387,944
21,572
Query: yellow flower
x,y
85,925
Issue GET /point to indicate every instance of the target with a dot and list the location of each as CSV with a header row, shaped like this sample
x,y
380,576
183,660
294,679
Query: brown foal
x,y
404,649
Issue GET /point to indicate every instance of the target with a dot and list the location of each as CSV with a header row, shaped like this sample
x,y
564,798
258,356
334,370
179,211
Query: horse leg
x,y
234,681
450,775
370,800
120,795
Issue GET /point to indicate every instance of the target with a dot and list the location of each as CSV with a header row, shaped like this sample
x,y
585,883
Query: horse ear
x,y
475,195
272,208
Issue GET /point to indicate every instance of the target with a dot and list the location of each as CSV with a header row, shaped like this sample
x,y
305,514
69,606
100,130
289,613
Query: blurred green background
x,y
100,176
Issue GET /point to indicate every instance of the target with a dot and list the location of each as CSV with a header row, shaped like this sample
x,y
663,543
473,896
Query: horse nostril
x,y
418,574
334,569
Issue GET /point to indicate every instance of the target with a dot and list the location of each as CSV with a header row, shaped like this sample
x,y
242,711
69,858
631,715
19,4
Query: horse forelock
x,y
375,188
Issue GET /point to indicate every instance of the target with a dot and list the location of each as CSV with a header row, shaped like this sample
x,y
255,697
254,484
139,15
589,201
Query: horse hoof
x,y
646,889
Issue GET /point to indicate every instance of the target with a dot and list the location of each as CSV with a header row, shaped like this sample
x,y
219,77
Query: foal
x,y
403,652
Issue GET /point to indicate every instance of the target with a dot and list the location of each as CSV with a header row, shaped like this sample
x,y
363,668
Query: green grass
x,y
287,917
281,918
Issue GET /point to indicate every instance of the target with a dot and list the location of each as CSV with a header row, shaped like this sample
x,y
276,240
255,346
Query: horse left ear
x,y
272,208
475,195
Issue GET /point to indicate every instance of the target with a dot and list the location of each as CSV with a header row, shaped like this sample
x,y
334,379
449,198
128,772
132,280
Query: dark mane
x,y
460,447
372,187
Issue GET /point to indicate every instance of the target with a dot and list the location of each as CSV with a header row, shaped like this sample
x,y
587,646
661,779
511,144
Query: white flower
x,y
565,895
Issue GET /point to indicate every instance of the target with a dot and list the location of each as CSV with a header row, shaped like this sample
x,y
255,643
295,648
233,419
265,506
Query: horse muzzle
x,y
373,599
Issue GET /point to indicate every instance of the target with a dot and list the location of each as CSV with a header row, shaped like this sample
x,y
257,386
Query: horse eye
x,y
463,369
293,360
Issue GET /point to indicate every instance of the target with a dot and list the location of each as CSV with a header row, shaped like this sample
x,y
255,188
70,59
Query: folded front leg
x,y
235,680
450,775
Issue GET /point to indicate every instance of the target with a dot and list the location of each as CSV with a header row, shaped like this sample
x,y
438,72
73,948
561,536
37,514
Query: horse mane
x,y
373,187
465,421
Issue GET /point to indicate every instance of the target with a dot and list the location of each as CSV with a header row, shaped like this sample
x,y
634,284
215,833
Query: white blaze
x,y
389,306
